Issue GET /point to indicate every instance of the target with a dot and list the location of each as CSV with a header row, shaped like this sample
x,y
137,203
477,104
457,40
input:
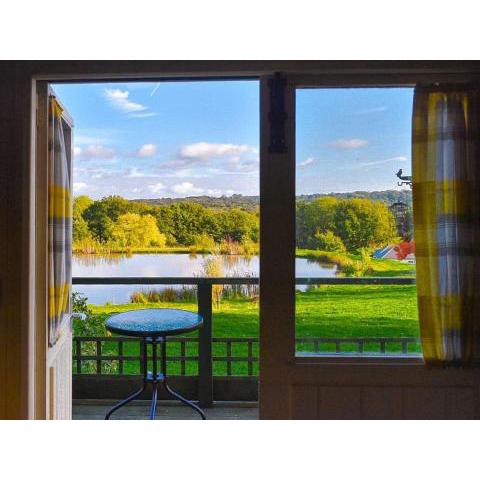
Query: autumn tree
x,y
134,230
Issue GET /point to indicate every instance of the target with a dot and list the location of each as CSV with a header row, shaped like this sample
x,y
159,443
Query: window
x,y
355,250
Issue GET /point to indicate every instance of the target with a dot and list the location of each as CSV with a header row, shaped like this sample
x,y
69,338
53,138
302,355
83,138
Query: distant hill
x,y
240,201
386,196
251,202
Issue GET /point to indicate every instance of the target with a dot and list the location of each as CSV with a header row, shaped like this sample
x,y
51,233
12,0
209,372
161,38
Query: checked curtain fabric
x,y
446,196
59,224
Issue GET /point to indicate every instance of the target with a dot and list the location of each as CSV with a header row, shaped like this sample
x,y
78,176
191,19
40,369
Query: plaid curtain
x,y
446,196
59,224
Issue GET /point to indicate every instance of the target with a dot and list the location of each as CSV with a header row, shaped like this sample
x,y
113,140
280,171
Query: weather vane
x,y
405,179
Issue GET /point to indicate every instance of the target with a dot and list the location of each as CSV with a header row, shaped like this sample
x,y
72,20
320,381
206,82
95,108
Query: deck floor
x,y
139,410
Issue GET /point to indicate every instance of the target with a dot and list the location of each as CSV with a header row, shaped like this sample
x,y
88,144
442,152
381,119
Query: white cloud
x,y
142,115
306,162
137,173
155,88
186,188
147,150
99,173
93,151
215,192
205,150
180,172
228,157
400,158
119,100
78,186
157,187
349,144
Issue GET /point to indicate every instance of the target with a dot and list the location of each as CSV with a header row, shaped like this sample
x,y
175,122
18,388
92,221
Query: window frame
x,y
305,83
281,347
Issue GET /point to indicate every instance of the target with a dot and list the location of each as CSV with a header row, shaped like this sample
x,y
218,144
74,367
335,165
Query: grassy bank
x,y
326,311
354,265
93,247
110,250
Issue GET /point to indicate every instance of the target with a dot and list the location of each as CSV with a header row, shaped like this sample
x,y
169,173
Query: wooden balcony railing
x,y
206,361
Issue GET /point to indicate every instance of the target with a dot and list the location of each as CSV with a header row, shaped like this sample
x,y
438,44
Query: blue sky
x,y
352,139
176,139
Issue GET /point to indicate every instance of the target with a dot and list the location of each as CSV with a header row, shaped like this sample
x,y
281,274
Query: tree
x,y
81,203
313,217
185,221
134,230
102,214
238,225
362,223
80,226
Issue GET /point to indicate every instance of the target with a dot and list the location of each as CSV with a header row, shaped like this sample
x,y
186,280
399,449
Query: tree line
x,y
327,223
122,223
252,202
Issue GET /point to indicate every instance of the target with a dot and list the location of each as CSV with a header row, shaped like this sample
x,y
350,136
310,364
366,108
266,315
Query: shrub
x,y
250,248
353,269
230,247
138,297
204,243
164,295
328,242
90,246
79,303
213,267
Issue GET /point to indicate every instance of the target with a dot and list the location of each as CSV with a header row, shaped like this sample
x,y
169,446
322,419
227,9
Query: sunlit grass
x,y
326,311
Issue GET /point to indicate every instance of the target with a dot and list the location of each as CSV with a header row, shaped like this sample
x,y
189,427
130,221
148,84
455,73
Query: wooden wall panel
x,y
419,402
340,403
380,403
461,403
423,403
304,402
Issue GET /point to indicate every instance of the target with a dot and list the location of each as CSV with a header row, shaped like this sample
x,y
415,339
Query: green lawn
x,y
325,311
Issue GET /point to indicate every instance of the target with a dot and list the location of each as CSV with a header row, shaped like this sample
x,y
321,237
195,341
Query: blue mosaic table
x,y
152,326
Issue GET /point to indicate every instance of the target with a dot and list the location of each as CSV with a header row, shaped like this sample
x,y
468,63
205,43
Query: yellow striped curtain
x,y
446,196
59,224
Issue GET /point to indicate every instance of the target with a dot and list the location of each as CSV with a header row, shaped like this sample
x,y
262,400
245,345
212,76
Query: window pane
x,y
355,264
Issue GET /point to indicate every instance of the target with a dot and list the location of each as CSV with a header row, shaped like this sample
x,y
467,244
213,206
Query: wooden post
x,y
205,371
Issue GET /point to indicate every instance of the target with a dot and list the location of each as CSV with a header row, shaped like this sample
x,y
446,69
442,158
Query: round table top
x,y
154,322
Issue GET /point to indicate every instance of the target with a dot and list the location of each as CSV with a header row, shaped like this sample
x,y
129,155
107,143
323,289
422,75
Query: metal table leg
x,y
169,390
154,378
136,394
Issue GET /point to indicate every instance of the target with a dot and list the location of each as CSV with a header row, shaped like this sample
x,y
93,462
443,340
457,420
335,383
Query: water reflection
x,y
91,260
170,265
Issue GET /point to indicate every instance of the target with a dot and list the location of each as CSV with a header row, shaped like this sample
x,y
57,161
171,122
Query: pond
x,y
169,265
